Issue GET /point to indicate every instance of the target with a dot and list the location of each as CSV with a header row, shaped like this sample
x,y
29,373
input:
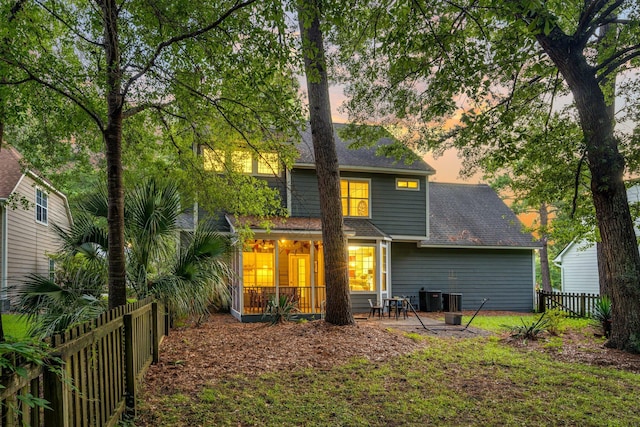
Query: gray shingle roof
x,y
472,215
361,158
354,227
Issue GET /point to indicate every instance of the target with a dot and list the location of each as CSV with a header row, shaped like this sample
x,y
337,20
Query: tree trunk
x,y
544,254
113,147
619,246
338,308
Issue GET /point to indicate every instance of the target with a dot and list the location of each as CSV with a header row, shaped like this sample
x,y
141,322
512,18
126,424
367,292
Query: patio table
x,y
394,303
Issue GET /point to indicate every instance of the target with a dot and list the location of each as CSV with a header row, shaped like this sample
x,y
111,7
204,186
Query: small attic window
x,y
407,184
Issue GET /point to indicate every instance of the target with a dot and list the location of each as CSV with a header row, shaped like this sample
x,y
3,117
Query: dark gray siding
x,y
278,183
393,211
360,303
503,276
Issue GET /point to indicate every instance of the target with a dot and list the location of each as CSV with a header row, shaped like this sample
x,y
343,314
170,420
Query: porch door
x,y
299,271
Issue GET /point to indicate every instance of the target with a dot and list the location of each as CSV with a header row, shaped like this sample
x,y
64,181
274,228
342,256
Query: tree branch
x,y
68,25
612,63
60,91
142,107
182,37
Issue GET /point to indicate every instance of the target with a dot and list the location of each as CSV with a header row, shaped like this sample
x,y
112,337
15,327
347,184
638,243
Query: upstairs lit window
x,y
42,206
355,197
241,161
407,184
268,164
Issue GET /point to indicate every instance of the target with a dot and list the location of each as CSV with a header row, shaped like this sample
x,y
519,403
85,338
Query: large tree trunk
x,y
113,145
619,247
338,308
544,253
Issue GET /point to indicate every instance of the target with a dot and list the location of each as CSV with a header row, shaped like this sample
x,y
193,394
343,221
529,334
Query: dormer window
x,y
241,161
355,197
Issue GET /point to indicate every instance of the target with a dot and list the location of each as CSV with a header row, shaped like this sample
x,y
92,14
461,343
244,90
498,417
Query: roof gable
x,y
472,215
363,158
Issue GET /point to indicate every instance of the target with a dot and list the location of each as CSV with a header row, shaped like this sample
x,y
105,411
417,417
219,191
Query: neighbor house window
x,y
362,267
355,197
241,161
407,184
42,209
52,270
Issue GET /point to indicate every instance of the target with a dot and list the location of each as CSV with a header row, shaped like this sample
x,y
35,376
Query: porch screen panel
x,y
257,269
362,268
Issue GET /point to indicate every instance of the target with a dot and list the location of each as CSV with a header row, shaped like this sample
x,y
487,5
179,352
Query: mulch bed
x,y
196,355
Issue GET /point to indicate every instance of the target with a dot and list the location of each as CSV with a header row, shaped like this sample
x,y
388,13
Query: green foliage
x,y
190,279
555,321
52,308
16,356
602,314
530,330
280,309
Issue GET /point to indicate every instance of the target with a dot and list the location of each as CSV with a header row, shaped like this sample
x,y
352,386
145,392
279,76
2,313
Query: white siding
x,y
579,261
29,242
580,269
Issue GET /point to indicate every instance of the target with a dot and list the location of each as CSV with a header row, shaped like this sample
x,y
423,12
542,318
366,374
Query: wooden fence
x,y
576,305
102,364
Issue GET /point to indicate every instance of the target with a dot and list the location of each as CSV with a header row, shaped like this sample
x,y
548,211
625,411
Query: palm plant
x,y
189,278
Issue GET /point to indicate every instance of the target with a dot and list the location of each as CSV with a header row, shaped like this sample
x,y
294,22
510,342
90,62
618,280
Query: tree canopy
x,y
473,74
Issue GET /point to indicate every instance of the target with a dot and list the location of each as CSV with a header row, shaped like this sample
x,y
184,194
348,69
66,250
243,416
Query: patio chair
x,y
375,307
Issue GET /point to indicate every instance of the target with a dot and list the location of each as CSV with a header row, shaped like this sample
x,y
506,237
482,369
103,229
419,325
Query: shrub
x,y
602,314
531,330
280,310
555,321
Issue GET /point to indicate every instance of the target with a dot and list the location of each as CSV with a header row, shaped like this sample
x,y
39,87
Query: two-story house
x,y
29,204
404,233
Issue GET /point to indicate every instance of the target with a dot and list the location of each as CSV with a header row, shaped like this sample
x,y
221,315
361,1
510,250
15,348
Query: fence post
x,y
541,302
54,392
155,334
130,377
583,304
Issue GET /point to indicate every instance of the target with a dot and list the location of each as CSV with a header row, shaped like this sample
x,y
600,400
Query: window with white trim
x,y
42,206
362,267
407,184
355,197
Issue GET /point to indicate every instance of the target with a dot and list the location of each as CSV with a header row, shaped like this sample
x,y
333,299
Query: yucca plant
x,y
529,331
602,314
280,309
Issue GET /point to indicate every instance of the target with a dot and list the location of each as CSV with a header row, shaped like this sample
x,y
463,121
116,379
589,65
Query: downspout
x,y
3,250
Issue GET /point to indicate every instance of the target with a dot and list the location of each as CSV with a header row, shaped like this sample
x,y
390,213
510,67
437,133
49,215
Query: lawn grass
x,y
15,326
503,323
477,381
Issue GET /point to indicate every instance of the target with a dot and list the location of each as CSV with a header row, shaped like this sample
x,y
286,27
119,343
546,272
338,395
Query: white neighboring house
x,y
578,262
29,205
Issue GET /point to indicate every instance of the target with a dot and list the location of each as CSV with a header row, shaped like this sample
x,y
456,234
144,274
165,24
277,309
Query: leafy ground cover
x,y
226,373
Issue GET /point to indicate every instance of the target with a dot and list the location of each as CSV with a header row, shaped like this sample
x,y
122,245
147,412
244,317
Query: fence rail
x,y
574,304
102,364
